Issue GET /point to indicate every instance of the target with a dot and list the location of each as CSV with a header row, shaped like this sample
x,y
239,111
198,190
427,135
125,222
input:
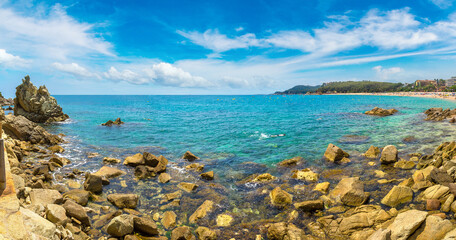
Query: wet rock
x,y
208,175
78,195
143,172
41,170
76,211
120,226
61,161
372,152
389,154
56,213
305,174
20,128
285,231
123,200
334,153
109,160
322,187
188,187
189,156
45,197
109,172
195,167
404,164
265,177
435,228
161,166
145,225
398,195
224,220
56,149
280,198
381,112
290,162
93,183
164,177
310,205
406,223
432,204
116,122
169,220
182,233
134,160
205,233
349,191
37,105
438,114
202,211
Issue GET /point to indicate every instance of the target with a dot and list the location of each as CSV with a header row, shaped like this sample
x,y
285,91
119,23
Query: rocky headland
x,y
36,104
383,193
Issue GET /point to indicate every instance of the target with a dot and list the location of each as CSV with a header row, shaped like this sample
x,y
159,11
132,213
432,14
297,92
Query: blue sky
x,y
221,47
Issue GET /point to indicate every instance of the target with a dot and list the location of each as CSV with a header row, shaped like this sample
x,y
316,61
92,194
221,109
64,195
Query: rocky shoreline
x,y
381,194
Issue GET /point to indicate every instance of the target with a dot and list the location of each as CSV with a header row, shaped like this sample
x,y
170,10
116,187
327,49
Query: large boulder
x,y
435,228
20,128
37,105
38,226
398,195
120,226
56,213
109,172
124,200
334,154
381,112
389,154
45,196
93,183
145,225
76,211
78,195
134,160
349,191
406,223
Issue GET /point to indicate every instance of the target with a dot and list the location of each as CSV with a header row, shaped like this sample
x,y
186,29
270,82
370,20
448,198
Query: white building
x,y
450,82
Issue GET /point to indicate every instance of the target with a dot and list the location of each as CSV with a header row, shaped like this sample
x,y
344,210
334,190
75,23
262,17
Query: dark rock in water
x,y
290,162
20,128
353,139
37,105
409,139
381,112
143,172
438,114
145,225
189,156
109,123
310,206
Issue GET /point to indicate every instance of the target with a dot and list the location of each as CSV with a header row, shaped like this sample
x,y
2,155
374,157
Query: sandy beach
x,y
440,95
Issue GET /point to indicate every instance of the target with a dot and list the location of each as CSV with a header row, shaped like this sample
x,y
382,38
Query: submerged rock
x,y
109,172
109,123
381,112
310,205
37,105
290,162
224,220
169,220
334,153
351,139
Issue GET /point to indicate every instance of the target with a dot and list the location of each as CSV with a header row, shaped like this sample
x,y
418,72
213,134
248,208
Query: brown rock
x,y
189,156
208,175
169,220
202,211
389,154
334,153
432,204
124,200
310,206
349,191
280,198
285,231
381,112
134,160
205,233
93,183
290,162
182,233
77,211
188,187
146,226
78,195
164,177
109,172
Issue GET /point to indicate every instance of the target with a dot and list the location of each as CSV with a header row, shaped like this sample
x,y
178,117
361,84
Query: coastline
x,y
438,95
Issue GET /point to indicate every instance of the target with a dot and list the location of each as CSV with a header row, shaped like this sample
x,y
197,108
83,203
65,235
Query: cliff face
x,y
37,105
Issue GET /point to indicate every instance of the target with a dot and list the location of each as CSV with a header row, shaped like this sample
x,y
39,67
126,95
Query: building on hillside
x,y
423,83
450,82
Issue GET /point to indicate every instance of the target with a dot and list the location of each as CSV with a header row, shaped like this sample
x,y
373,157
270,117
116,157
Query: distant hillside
x,y
359,87
300,89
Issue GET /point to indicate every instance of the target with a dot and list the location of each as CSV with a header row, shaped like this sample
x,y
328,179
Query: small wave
x,y
68,121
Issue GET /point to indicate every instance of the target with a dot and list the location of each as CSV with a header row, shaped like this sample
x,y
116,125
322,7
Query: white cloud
x,y
126,75
75,70
385,73
10,60
168,75
212,39
238,29
443,4
49,34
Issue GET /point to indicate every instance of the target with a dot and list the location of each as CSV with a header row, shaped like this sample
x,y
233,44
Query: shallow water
x,y
236,136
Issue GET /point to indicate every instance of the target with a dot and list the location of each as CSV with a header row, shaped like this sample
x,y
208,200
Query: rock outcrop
x,y
20,128
109,123
37,105
381,112
6,102
438,114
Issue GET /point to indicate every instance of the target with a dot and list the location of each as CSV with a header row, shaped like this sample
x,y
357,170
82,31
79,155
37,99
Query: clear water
x,y
242,128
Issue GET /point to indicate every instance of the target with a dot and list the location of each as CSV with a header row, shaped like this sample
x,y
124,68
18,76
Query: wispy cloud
x,y
10,60
443,4
75,70
386,73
